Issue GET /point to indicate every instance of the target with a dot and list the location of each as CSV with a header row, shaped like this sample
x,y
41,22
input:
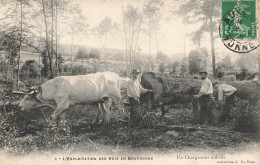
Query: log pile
x,y
246,90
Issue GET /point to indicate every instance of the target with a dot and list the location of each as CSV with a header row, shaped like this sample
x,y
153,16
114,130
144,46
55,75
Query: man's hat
x,y
203,72
135,71
214,83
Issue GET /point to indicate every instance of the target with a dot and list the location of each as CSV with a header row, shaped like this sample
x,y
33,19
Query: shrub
x,y
29,70
245,116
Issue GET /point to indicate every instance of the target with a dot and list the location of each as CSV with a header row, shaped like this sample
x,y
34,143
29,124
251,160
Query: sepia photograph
x,y
129,82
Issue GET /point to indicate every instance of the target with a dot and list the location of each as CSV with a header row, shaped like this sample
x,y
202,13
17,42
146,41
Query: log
x,y
246,90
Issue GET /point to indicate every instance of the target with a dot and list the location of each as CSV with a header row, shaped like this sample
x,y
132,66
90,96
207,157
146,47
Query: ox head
x,y
30,99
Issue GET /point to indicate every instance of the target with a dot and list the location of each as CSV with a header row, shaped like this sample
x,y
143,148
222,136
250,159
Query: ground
x,y
27,132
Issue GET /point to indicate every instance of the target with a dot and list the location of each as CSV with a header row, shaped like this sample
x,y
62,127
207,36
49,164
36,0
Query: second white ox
x,y
67,91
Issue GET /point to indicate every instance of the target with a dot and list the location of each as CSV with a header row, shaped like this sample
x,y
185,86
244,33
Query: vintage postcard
x,y
129,82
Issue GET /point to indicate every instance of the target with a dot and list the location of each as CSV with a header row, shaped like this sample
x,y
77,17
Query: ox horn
x,y
31,92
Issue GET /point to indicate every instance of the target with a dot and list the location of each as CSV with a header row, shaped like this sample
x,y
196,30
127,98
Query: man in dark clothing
x,y
205,95
134,90
226,96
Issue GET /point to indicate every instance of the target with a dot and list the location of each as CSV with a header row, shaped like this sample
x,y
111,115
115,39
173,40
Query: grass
x,y
26,132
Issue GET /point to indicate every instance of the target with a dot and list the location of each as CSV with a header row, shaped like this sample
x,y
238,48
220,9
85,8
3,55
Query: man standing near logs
x,y
226,95
205,95
134,90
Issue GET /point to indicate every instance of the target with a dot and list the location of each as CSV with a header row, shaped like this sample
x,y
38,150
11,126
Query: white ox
x,y
67,91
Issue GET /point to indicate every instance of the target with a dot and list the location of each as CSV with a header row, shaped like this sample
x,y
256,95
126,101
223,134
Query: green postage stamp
x,y
239,25
239,19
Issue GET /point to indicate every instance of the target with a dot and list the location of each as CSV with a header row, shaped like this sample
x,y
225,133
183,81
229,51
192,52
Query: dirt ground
x,y
27,132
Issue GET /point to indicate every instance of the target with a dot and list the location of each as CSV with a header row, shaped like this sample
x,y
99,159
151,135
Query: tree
x,y
184,66
160,57
82,54
41,19
94,53
132,21
204,55
225,64
152,16
102,31
161,68
175,66
76,25
15,21
45,63
10,42
207,12
195,61
47,37
249,62
27,18
29,70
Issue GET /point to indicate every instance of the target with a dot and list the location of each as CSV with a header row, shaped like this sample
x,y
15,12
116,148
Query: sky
x,y
170,36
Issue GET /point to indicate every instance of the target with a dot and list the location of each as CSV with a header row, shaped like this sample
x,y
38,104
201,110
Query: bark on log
x,y
246,90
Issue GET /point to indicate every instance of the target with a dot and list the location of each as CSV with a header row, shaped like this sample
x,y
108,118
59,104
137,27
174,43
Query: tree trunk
x,y
71,53
125,37
52,28
20,48
184,49
82,65
47,40
40,55
149,59
157,45
212,48
7,74
106,51
57,63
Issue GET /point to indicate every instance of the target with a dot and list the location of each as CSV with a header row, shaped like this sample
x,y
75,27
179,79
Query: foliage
x,y
94,53
132,21
246,116
204,56
81,54
89,67
248,62
194,62
184,66
45,68
161,68
152,14
84,55
195,11
102,30
207,13
3,68
28,132
10,42
225,64
175,66
29,70
106,26
161,57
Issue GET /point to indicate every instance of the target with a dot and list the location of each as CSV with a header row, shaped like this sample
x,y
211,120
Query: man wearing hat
x,y
134,90
205,95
